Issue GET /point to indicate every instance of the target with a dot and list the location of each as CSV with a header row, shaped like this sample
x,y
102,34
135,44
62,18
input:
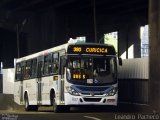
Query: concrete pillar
x,y
134,40
123,41
129,44
154,56
8,45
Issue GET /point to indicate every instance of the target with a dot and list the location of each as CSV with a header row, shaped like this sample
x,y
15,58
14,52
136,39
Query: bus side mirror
x,y
120,61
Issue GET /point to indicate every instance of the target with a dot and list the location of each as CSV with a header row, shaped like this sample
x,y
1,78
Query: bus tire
x,y
26,101
29,107
56,108
67,108
34,108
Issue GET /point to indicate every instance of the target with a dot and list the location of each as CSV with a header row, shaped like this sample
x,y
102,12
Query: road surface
x,y
84,113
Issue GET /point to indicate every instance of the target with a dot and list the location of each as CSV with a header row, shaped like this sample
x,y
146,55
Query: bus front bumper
x,y
90,100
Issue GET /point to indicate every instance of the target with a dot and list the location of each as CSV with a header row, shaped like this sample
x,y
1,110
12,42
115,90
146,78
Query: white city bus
x,y
67,75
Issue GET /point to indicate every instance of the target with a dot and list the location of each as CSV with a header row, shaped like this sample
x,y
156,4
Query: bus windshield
x,y
91,70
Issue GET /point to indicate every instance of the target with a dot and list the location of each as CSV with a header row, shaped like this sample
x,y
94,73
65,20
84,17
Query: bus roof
x,y
57,48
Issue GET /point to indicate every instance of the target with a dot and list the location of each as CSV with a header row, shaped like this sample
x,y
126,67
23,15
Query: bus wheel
x,y
27,106
34,108
66,108
56,108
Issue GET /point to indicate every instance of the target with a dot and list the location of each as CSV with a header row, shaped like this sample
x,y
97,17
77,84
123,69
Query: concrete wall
x,y
133,91
154,64
8,81
137,68
134,81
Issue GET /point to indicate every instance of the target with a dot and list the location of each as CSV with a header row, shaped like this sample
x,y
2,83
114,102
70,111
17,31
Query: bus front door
x,y
61,82
21,83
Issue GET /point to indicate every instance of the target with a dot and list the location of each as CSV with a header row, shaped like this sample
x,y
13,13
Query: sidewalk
x,y
6,101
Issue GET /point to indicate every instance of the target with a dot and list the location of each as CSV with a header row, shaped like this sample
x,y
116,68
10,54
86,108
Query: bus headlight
x,y
72,91
112,92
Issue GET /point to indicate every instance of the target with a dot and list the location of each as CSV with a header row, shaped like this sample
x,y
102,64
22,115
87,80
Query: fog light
x,y
111,100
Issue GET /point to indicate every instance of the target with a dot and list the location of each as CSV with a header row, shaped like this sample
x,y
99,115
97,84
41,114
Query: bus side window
x,y
18,72
40,69
50,63
27,69
55,63
33,68
22,70
45,69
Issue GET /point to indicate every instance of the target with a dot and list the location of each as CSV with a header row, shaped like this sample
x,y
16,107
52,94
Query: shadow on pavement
x,y
121,108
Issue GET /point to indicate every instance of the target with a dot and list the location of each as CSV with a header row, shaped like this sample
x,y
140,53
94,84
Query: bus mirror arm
x,y
65,62
120,61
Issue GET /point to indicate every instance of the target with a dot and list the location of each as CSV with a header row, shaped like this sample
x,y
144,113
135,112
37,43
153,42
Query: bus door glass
x,y
62,74
39,78
21,81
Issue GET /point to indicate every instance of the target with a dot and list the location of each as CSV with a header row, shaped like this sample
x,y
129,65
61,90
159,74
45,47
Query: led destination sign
x,y
91,49
96,50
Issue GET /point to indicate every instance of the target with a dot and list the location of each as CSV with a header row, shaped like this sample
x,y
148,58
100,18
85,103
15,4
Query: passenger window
x,y
22,70
45,69
50,63
27,70
55,63
18,72
33,68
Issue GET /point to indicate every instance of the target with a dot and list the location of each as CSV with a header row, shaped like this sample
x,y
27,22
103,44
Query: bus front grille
x,y
92,99
95,93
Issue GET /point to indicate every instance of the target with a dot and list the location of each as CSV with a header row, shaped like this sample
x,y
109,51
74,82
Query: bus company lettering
x,y
96,50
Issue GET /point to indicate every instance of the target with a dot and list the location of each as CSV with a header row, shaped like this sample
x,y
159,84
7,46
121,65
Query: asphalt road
x,y
57,116
82,113
45,113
